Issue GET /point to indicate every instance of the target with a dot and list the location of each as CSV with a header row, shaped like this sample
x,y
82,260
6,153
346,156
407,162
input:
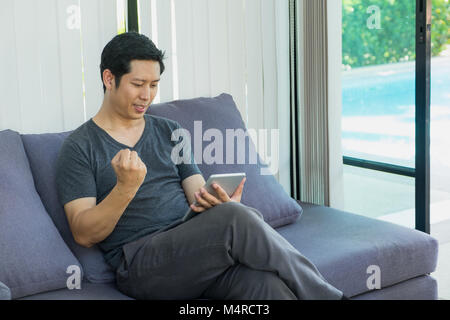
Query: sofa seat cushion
x,y
42,151
88,291
211,123
419,288
343,246
33,256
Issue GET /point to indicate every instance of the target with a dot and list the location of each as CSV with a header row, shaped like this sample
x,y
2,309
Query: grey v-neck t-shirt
x,y
84,170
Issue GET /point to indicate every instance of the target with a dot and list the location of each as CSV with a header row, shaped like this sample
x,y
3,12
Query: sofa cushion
x,y
261,190
42,151
344,245
419,288
33,256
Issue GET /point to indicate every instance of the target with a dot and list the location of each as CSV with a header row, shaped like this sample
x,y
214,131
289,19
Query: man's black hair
x,y
124,48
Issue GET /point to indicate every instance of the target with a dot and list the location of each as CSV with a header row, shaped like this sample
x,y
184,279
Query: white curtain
x,y
319,67
49,58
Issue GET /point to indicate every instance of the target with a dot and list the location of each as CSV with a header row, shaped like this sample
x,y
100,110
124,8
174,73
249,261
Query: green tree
x,y
383,31
440,26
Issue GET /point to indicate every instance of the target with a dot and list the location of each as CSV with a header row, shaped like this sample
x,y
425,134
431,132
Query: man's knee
x,y
265,285
236,210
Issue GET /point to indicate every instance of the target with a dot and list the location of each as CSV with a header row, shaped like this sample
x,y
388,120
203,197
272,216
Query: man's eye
x,y
137,85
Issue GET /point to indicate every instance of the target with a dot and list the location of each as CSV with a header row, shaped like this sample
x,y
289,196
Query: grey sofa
x,y
39,258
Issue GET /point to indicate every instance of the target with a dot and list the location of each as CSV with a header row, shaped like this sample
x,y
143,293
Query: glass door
x,y
378,104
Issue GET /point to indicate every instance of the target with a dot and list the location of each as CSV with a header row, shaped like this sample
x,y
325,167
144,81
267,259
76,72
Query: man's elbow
x,y
83,242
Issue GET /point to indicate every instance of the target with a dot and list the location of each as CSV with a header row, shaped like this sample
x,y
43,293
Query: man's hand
x,y
130,171
205,200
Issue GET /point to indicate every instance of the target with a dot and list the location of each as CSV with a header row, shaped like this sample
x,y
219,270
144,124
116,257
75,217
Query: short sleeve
x,y
188,167
74,175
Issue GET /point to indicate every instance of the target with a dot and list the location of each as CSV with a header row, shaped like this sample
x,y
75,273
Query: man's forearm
x,y
95,224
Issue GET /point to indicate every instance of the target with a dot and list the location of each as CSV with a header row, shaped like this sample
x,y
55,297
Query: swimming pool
x,y
378,109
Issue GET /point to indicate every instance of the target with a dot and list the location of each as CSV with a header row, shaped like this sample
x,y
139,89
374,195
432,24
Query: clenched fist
x,y
130,170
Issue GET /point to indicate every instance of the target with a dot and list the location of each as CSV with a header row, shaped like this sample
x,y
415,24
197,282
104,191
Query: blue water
x,y
390,89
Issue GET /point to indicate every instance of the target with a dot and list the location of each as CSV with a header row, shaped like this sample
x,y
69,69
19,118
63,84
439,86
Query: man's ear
x,y
108,79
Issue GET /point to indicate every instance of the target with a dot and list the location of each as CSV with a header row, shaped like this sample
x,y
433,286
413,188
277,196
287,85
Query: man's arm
x,y
91,223
191,185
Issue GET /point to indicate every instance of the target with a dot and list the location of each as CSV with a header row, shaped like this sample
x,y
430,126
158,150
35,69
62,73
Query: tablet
x,y
228,181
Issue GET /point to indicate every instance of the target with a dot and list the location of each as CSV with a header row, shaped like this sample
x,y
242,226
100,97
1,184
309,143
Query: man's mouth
x,y
139,108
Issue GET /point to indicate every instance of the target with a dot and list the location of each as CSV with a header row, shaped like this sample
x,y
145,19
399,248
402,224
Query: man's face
x,y
137,89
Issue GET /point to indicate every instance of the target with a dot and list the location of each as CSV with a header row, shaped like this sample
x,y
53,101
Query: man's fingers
x,y
204,200
223,196
240,187
197,208
128,159
210,198
134,159
237,194
125,158
117,157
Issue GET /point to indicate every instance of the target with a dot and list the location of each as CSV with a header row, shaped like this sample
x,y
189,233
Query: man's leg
x,y
242,283
181,263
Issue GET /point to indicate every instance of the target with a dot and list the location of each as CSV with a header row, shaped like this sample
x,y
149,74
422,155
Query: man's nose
x,y
145,94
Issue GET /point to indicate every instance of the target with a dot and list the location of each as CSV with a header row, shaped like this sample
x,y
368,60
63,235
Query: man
x,y
121,190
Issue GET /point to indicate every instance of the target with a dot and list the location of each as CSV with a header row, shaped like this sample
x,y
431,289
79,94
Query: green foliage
x,y
385,32
440,26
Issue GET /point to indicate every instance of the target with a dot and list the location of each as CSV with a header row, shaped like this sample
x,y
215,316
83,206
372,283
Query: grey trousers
x,y
227,252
